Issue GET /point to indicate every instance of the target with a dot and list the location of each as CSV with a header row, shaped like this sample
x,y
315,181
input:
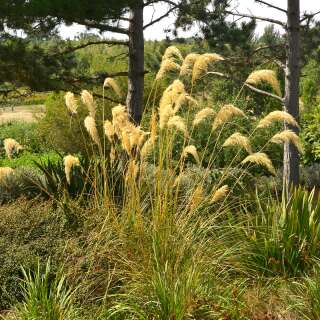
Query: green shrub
x,y
45,296
284,239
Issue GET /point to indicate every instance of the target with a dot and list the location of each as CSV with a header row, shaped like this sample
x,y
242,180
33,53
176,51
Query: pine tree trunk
x,y
136,64
291,155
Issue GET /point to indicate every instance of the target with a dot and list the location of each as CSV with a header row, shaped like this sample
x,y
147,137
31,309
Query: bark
x,y
136,64
291,101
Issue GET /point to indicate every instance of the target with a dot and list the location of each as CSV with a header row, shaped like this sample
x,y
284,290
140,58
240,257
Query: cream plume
x,y
71,103
262,159
225,114
237,139
70,162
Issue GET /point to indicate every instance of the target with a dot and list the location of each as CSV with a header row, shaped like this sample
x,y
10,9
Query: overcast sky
x,y
244,6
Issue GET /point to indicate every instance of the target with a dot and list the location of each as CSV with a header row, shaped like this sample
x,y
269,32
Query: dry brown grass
x,y
22,113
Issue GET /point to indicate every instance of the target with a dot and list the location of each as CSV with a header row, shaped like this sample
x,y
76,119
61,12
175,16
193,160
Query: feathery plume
x,y
5,172
191,150
178,123
88,100
220,194
268,76
109,130
132,171
112,83
11,147
196,197
147,148
71,103
237,139
202,114
120,119
165,113
90,125
188,64
166,66
225,114
70,162
262,159
202,63
172,52
288,136
277,116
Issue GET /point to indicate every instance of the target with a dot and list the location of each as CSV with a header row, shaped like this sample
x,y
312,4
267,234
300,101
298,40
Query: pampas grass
x,y
71,103
288,136
172,52
112,83
164,114
188,63
237,139
225,114
220,194
11,147
262,159
70,162
109,130
147,148
268,76
202,115
165,67
275,116
88,101
178,123
191,149
90,125
202,63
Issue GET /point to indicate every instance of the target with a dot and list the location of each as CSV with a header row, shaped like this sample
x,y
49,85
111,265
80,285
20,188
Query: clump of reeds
x,y
70,162
268,76
11,147
169,62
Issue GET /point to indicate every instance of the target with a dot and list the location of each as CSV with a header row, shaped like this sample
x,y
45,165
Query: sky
x,y
156,32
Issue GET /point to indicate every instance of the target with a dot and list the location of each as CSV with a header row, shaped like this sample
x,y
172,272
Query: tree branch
x,y
264,92
102,27
90,43
272,6
308,16
160,18
244,15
